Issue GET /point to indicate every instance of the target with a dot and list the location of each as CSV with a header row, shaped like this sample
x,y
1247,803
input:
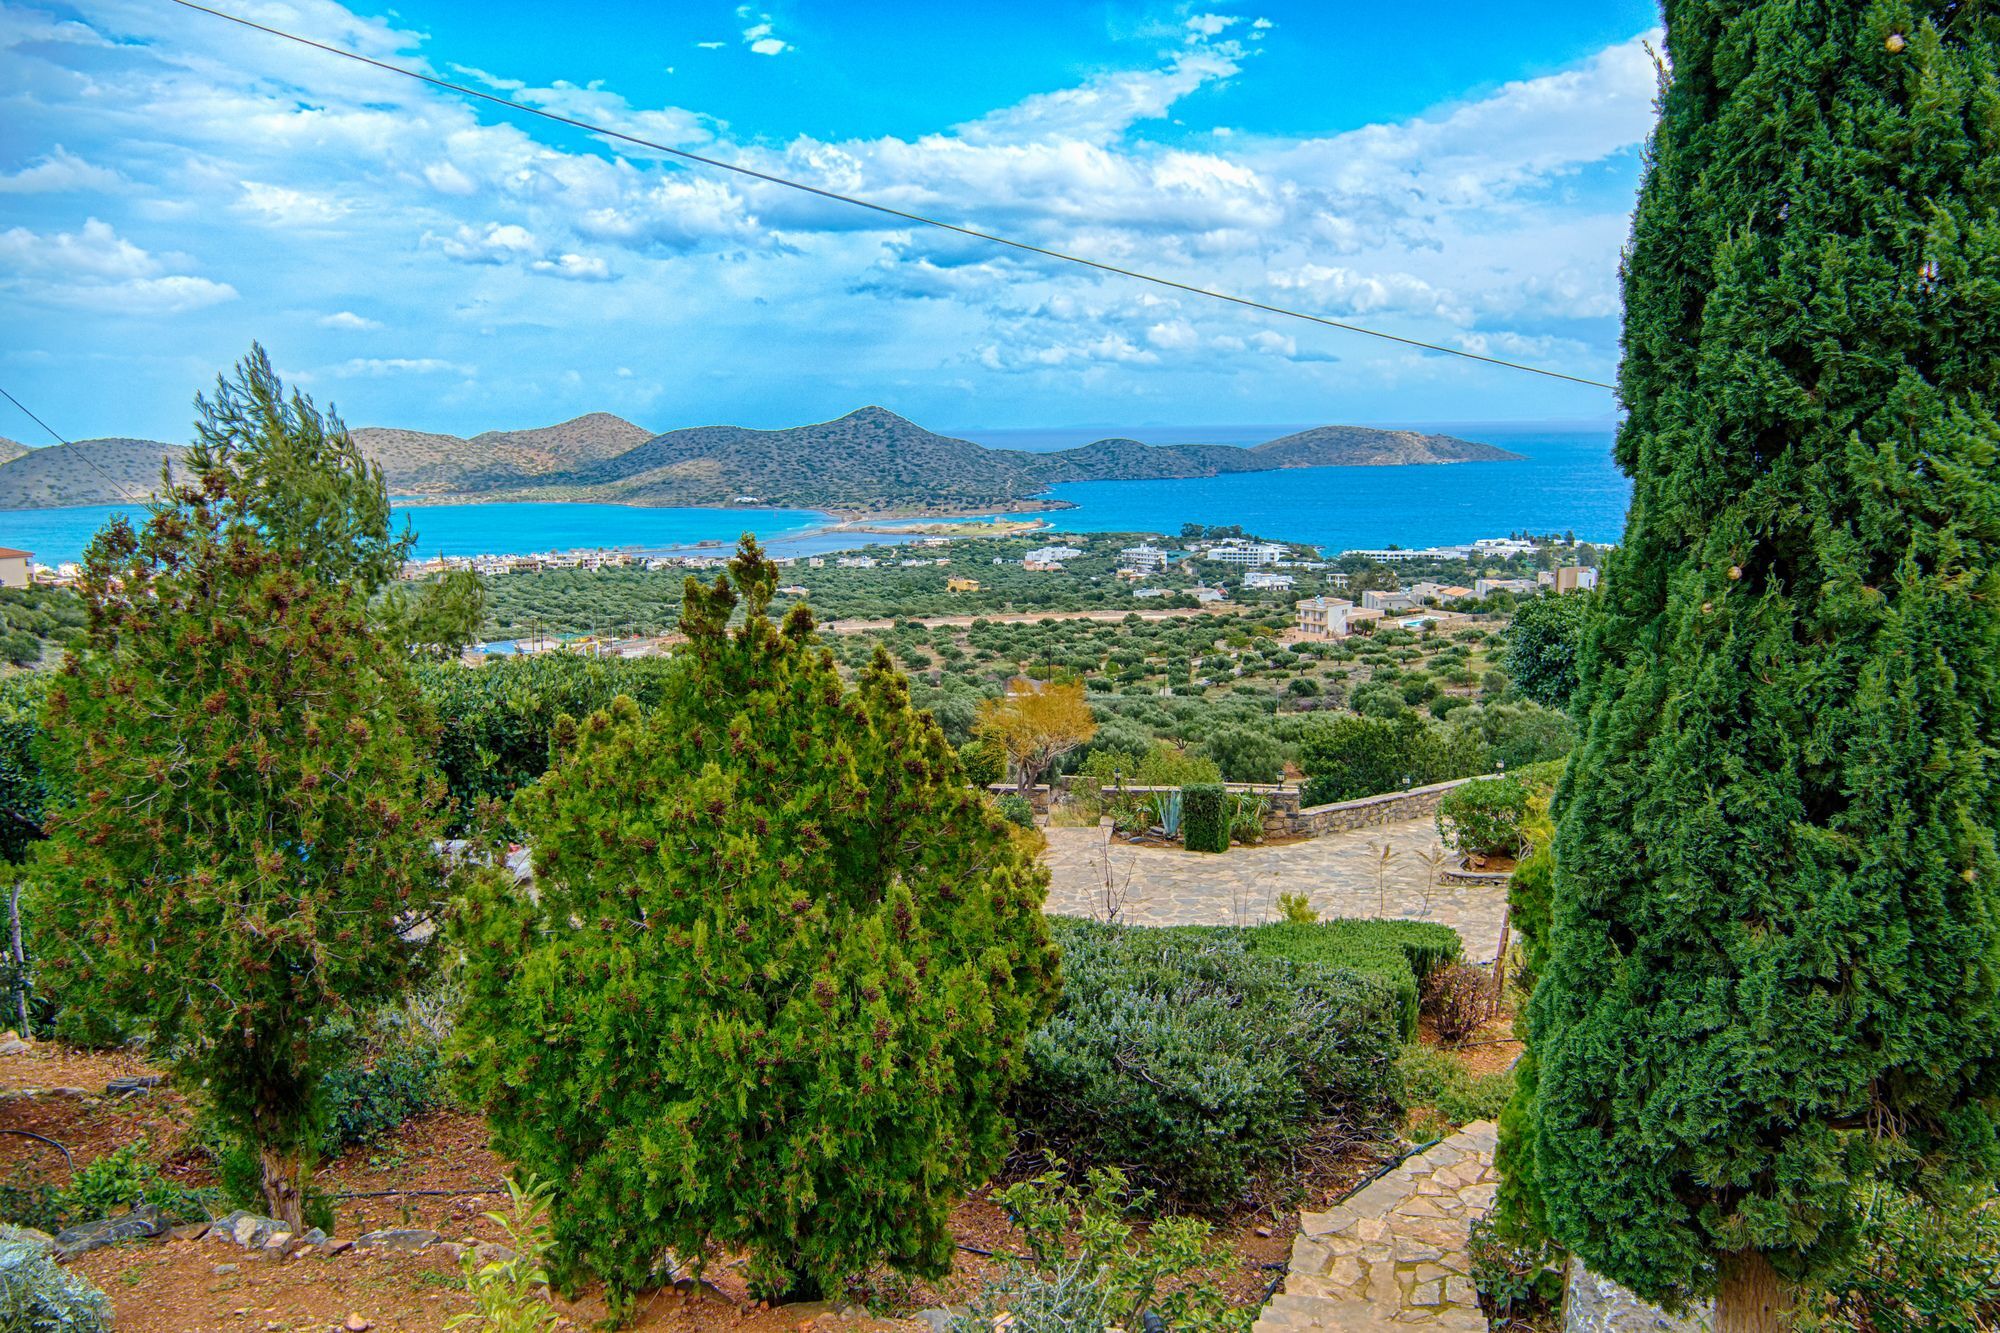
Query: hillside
x,y
54,476
872,459
11,449
868,460
418,463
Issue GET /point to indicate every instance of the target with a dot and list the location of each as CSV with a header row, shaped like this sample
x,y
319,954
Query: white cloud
x,y
59,171
711,46
94,268
577,268
349,322
284,207
1211,25
762,38
494,243
370,367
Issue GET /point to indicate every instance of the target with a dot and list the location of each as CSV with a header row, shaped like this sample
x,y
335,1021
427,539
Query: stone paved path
x,y
1394,1254
1169,887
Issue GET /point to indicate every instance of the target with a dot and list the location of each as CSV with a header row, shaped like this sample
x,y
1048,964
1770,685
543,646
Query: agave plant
x,y
1167,808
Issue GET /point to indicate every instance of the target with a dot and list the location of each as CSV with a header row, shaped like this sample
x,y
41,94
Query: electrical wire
x,y
116,485
767,177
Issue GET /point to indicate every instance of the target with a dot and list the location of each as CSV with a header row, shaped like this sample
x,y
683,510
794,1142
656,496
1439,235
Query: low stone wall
x,y
1593,1304
1370,811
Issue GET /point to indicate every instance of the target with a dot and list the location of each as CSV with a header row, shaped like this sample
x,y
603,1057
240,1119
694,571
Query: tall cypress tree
x,y
1775,953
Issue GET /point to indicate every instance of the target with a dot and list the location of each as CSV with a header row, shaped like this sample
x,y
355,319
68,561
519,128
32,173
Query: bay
x,y
501,528
1565,481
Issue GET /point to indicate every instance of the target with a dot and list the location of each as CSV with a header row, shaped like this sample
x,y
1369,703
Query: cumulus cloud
x,y
1486,217
58,171
95,268
494,243
349,322
761,36
576,268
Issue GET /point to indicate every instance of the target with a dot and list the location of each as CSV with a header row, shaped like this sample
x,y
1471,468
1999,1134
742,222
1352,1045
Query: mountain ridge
x,y
868,460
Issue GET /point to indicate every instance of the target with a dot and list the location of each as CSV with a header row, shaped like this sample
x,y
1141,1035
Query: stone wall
x,y
1370,811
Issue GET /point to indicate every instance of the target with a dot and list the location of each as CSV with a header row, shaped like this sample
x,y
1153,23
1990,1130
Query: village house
x,y
1519,587
1376,599
1144,558
1575,578
1332,617
15,567
1263,578
961,585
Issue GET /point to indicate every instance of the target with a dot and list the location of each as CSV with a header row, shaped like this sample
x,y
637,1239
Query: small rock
x,y
222,1270
11,1043
334,1247
1265,1232
314,1237
487,1252
142,1223
356,1324
398,1240
192,1231
133,1084
938,1319
38,1240
278,1241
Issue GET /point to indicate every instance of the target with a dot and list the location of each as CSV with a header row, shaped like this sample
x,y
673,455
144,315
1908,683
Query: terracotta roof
x,y
8,553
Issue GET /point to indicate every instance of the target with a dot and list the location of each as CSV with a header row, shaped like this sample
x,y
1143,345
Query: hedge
x,y
1196,1058
1204,817
1399,954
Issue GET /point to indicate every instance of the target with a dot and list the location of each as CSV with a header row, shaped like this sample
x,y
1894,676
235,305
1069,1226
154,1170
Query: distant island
x,y
869,462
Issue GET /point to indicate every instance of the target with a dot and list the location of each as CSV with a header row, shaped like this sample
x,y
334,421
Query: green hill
x,y
868,460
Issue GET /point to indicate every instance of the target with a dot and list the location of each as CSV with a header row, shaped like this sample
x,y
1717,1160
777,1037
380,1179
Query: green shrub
x,y
1017,809
1246,818
112,1183
1917,1268
366,1101
1089,1269
38,1296
983,762
1517,1279
777,977
1297,909
1401,954
1205,818
1428,1077
1195,1063
1484,818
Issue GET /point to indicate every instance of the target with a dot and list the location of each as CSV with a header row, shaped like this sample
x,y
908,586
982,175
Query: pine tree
x,y
1775,954
777,973
246,832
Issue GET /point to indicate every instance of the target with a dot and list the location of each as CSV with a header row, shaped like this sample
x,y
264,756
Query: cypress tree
x,y
1775,954
777,974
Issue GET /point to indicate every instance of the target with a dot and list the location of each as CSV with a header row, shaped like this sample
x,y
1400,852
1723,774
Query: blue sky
x,y
172,187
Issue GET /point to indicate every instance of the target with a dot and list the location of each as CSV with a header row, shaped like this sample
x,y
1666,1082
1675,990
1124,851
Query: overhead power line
x,y
739,169
116,485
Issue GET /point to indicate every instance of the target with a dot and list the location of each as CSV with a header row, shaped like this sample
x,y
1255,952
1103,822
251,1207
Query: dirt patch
x,y
439,1172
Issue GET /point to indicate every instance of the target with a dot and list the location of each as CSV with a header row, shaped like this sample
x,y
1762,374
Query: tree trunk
x,y
1751,1298
283,1180
20,957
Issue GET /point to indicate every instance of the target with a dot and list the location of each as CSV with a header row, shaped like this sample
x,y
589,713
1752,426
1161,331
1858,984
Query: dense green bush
x,y
1346,758
1484,818
496,723
1433,1080
1195,1063
1205,817
1542,643
39,1296
777,977
1246,753
1017,809
1401,954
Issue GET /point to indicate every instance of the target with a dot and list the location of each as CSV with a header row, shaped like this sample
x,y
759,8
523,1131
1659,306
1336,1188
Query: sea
x,y
1564,482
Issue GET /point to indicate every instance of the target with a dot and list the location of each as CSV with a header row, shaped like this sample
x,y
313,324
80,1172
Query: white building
x,y
856,562
1394,555
1519,587
1050,555
1145,557
1377,600
1263,578
1237,551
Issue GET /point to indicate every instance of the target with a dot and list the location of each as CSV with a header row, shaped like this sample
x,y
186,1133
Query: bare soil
x,y
438,1172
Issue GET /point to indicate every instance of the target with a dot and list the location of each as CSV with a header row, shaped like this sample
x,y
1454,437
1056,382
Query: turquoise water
x,y
56,535
1566,482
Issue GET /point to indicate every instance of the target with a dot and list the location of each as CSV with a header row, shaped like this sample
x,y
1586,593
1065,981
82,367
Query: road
x,y
1024,618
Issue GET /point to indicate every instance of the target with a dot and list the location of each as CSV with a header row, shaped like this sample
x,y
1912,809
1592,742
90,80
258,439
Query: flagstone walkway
x,y
1394,1253
1343,874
